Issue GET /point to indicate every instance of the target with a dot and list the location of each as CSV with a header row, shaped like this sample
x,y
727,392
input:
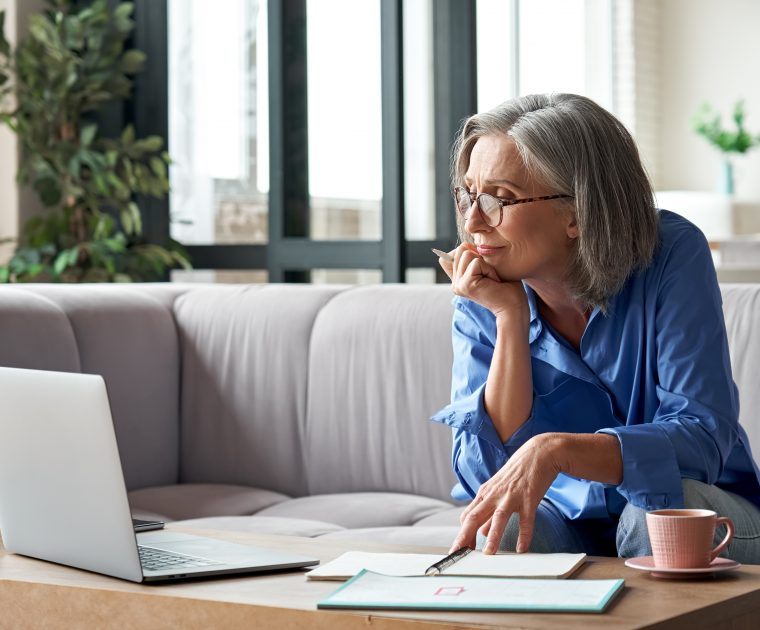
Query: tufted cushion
x,y
418,536
129,338
193,500
359,509
244,380
379,367
741,307
263,525
446,518
35,333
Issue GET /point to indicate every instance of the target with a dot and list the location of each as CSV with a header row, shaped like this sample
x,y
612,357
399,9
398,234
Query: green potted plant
x,y
72,63
707,123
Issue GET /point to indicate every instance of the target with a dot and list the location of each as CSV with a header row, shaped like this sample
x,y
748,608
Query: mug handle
x,y
729,535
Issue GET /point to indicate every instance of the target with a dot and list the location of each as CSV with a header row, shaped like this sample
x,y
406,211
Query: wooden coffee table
x,y
40,594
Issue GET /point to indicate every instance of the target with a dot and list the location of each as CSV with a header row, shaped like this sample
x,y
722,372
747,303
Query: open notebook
x,y
515,565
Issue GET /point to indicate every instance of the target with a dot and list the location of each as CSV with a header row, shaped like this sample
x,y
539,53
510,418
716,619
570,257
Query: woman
x,y
591,378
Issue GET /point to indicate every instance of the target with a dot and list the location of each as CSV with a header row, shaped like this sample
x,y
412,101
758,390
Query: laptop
x,y
63,497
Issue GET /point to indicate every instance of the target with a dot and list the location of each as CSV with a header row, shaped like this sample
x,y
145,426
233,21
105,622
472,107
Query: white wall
x,y
710,51
15,205
8,191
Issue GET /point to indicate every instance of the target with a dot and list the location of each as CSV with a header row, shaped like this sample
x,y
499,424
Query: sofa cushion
x,y
359,509
741,307
196,500
428,536
263,525
129,338
379,367
244,379
447,518
35,333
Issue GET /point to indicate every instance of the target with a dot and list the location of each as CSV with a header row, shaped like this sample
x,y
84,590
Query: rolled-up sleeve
x,y
478,451
695,426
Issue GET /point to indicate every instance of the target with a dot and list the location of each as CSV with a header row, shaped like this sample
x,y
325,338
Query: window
x,y
534,46
345,119
311,138
218,121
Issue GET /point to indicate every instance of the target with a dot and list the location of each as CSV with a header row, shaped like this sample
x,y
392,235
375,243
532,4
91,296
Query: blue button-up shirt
x,y
654,372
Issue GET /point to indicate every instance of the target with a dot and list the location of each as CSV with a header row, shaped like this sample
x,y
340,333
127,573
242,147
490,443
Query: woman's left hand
x,y
518,487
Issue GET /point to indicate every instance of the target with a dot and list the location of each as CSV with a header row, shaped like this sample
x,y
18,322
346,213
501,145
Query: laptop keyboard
x,y
158,559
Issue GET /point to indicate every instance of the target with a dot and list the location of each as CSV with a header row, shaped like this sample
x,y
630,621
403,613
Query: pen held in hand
x,y
443,255
438,567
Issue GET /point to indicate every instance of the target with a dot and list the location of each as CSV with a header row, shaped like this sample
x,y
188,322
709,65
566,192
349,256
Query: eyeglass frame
x,y
500,200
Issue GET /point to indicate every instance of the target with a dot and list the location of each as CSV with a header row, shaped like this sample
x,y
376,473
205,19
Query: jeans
x,y
628,538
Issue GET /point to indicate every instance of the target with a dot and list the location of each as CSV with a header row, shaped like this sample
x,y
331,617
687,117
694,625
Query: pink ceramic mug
x,y
683,539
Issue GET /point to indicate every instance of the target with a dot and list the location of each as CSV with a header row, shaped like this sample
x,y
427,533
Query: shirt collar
x,y
535,320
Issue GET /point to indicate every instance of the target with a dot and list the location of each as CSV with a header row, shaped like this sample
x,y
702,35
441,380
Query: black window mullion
x,y
149,108
455,97
391,42
288,135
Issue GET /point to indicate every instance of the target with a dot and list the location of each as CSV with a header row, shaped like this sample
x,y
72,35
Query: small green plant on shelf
x,y
707,123
72,64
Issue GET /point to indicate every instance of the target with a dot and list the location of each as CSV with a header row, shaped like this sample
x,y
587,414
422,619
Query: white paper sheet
x,y
533,565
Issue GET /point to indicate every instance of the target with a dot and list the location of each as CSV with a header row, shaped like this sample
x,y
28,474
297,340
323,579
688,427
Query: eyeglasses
x,y
491,208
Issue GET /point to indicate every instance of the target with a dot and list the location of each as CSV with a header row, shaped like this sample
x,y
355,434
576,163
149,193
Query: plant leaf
x,y
87,134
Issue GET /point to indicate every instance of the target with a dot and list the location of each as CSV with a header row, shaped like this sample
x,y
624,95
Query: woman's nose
x,y
473,221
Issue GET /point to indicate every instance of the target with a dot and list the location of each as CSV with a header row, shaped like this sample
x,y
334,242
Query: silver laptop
x,y
62,492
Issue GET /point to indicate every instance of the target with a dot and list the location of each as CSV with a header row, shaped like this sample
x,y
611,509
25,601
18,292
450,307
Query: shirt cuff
x,y
651,477
469,414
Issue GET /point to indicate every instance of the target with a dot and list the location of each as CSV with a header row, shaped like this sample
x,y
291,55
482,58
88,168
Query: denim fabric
x,y
633,540
554,533
601,537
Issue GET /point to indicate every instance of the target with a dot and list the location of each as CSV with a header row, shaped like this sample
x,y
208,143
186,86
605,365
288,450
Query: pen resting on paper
x,y
438,567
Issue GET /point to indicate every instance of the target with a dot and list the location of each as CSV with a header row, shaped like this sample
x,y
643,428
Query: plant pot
x,y
726,181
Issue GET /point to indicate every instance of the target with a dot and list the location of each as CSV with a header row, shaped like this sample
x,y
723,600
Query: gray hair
x,y
577,148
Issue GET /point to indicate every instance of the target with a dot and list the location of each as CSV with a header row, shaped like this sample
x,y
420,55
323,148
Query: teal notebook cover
x,y
368,590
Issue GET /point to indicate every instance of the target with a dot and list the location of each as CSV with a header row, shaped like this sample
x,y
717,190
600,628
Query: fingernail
x,y
488,548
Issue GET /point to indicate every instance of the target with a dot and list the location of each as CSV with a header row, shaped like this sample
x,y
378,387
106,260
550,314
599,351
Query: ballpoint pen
x,y
438,567
444,255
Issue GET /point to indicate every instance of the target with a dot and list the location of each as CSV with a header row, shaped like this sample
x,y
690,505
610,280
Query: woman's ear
x,y
572,225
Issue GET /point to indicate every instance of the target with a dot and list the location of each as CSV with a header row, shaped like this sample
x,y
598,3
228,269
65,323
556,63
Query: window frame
x,y
290,254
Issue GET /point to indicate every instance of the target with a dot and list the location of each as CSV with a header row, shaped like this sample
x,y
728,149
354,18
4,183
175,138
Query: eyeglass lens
x,y
489,205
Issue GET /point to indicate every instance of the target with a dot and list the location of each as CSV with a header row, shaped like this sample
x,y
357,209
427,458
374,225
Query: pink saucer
x,y
646,563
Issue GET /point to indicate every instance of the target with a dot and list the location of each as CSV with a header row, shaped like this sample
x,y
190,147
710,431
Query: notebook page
x,y
528,565
350,563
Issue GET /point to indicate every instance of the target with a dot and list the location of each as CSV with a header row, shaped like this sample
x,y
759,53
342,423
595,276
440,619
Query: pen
x,y
446,256
438,567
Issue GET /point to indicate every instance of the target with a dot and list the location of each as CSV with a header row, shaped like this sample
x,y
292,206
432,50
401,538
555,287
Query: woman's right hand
x,y
472,277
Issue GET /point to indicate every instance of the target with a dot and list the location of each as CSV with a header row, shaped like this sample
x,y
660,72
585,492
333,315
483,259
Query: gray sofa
x,y
290,409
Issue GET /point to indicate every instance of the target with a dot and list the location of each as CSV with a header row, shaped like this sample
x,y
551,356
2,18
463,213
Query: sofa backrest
x,y
379,367
245,364
126,334
294,388
741,307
